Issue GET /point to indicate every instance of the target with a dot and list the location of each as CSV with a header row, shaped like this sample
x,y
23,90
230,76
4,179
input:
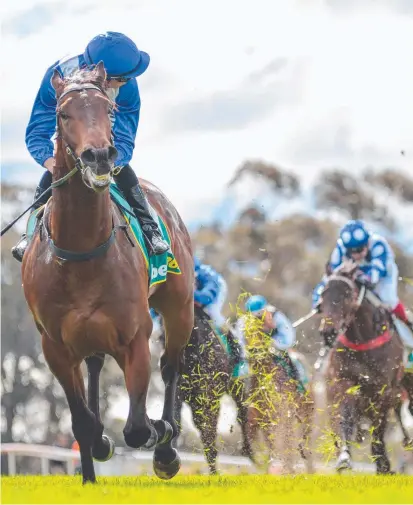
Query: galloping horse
x,y
206,377
275,398
87,282
365,366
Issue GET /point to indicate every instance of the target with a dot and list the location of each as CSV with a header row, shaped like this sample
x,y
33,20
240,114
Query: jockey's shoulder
x,y
340,245
376,238
209,273
69,63
379,246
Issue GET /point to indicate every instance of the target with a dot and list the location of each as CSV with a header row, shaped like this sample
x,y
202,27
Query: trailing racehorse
x,y
276,398
89,282
206,377
365,366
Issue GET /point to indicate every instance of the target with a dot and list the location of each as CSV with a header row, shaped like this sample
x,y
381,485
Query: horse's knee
x,y
95,363
83,425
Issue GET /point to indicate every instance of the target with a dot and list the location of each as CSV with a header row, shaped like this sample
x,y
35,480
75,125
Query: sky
x,y
305,84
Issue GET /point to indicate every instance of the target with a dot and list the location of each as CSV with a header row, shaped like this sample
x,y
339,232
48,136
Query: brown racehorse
x,y
87,286
365,366
274,401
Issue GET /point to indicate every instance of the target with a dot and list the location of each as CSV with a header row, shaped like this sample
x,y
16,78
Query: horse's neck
x,y
80,219
363,327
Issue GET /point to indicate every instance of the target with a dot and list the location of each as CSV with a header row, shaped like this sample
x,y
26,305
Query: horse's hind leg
x,y
135,363
67,372
178,328
103,446
407,440
178,413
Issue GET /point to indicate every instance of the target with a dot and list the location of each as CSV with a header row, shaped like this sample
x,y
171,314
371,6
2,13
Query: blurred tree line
x,y
282,260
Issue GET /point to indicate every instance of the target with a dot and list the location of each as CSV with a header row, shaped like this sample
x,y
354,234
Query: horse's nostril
x,y
113,153
88,156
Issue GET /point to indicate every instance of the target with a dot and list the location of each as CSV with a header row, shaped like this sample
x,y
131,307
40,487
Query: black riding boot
x,y
129,185
19,249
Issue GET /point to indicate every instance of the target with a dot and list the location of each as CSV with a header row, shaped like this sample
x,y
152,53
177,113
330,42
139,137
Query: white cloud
x,y
355,69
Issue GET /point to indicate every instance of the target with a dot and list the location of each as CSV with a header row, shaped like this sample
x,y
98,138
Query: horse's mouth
x,y
98,183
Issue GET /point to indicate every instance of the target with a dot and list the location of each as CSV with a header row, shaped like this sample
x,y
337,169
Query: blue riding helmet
x,y
258,303
354,234
119,54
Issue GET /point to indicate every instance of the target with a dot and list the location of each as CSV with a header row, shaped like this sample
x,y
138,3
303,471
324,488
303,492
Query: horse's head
x,y
340,298
83,124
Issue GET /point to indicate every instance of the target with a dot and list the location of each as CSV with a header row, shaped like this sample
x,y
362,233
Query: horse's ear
x,y
57,82
100,71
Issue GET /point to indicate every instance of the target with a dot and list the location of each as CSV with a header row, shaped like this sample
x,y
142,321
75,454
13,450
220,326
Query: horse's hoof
x,y
105,450
152,440
344,462
143,437
164,431
166,471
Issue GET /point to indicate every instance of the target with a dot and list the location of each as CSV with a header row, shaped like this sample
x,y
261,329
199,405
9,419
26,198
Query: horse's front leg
x,y
178,327
238,391
348,420
135,363
378,448
67,371
103,446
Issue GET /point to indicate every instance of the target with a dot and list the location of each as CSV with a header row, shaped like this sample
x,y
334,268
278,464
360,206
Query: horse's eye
x,y
63,115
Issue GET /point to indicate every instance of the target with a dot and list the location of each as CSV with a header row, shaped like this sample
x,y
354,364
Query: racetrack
x,y
201,489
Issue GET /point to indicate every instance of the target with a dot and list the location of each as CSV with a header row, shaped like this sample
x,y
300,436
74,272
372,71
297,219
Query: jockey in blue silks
x,y
377,266
210,291
123,62
210,294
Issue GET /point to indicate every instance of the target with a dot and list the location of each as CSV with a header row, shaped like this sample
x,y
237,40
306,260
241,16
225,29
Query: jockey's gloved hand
x,y
365,281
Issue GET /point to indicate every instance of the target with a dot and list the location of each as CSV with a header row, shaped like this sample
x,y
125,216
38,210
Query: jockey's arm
x,y
379,259
128,105
334,262
42,123
316,296
337,256
285,336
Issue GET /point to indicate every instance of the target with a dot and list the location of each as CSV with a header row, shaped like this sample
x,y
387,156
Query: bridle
x,y
79,166
64,254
